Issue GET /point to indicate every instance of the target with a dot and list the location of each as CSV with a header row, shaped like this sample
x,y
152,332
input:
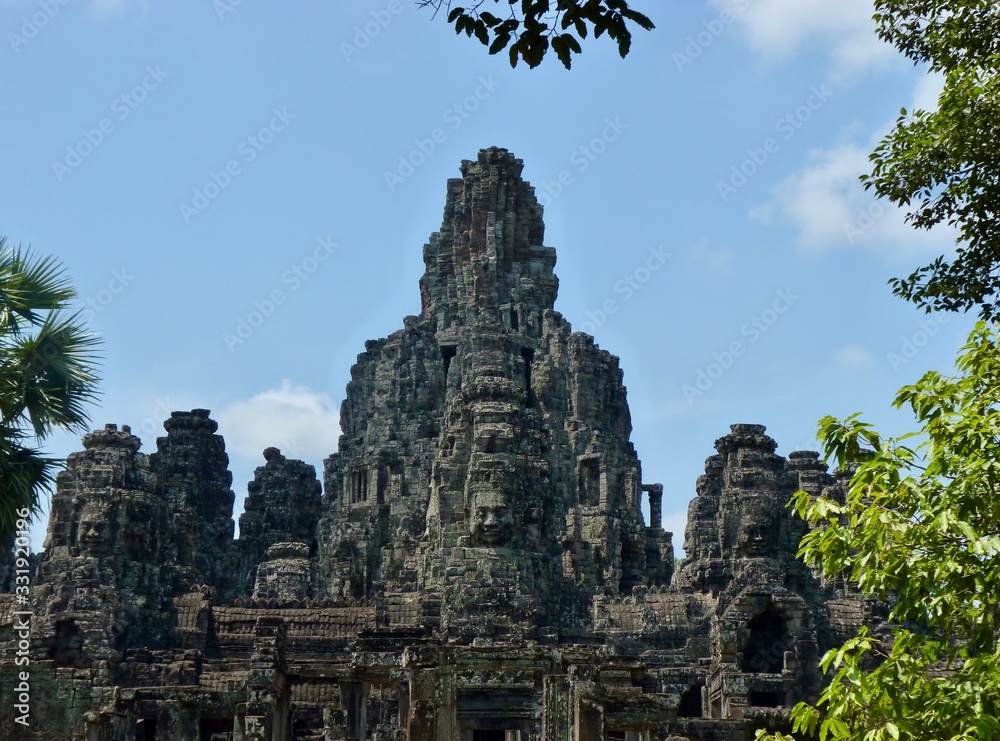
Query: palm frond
x,y
30,287
48,375
55,369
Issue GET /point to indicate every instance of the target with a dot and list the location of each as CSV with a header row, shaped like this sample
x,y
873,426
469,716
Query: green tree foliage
x,y
528,29
919,526
47,375
944,165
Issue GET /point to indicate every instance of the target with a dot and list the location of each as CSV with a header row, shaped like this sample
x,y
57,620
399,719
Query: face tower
x,y
485,482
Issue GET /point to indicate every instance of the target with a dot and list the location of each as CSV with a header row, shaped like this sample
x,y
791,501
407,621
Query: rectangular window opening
x,y
529,357
447,354
589,482
499,734
359,487
761,699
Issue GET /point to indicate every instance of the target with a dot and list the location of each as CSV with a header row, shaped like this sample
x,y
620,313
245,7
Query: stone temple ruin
x,y
475,567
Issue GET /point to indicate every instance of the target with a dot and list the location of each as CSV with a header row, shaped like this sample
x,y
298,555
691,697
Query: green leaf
x,y
499,43
481,32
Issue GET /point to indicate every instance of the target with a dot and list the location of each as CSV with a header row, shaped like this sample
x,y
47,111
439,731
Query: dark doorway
x,y
766,646
447,354
215,729
145,730
589,482
766,699
67,646
491,735
690,706
529,357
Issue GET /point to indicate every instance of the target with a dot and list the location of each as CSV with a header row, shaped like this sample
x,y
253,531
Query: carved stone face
x,y
753,540
757,534
94,528
492,521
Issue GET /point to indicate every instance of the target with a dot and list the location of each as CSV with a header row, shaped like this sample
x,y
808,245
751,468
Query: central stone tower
x,y
485,484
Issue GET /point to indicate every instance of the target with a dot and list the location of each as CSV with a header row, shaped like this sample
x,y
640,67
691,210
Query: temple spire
x,y
487,263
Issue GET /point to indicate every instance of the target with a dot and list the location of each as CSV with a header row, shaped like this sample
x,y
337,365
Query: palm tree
x,y
47,375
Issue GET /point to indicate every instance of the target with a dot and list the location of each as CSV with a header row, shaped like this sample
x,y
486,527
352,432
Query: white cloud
x,y
777,29
852,357
301,422
719,258
828,207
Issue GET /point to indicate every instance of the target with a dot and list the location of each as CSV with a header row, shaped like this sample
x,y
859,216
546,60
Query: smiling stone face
x,y
94,529
757,527
492,521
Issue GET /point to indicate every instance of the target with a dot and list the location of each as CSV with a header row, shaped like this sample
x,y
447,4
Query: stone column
x,y
655,504
420,719
557,711
267,716
446,701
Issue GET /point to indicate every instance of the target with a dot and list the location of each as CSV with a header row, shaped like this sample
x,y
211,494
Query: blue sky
x,y
193,164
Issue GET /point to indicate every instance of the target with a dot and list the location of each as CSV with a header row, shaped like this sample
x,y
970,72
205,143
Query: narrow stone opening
x,y
215,729
145,729
513,318
355,699
763,699
67,645
589,482
529,357
447,353
495,734
690,706
381,483
766,646
633,564
135,544
485,735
